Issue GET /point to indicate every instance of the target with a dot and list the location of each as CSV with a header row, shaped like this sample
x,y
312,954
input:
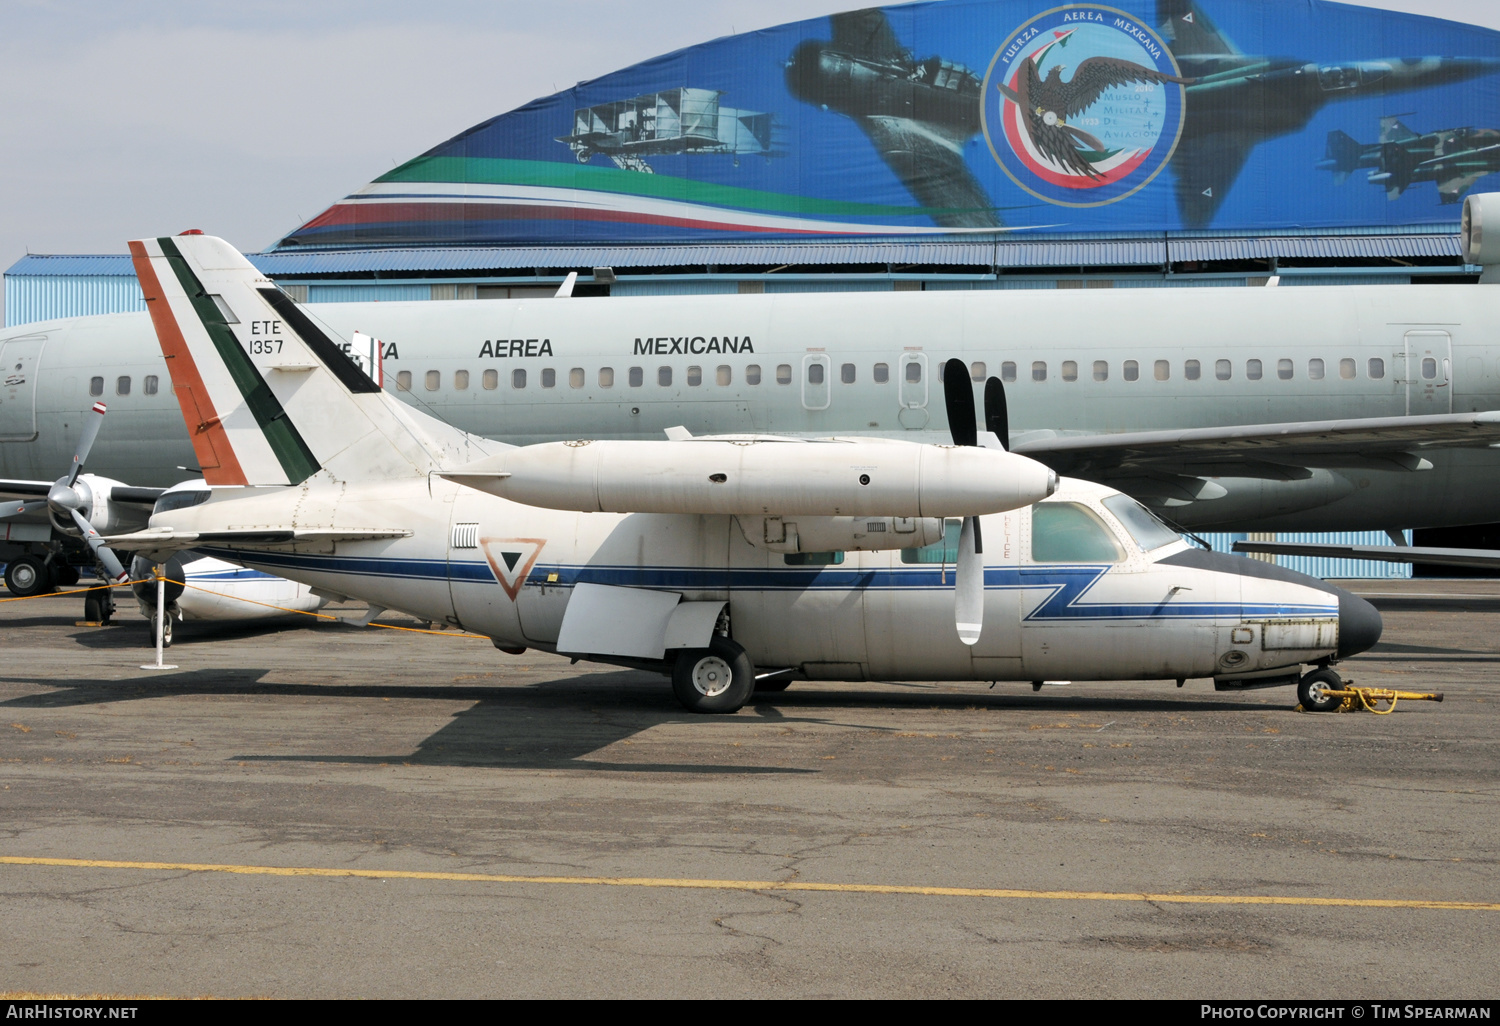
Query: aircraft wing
x,y
1265,450
866,33
1189,30
166,539
1479,559
931,165
1205,167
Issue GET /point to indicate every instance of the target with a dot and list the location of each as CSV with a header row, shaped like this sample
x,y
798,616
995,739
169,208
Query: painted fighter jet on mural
x,y
1454,158
1238,100
919,113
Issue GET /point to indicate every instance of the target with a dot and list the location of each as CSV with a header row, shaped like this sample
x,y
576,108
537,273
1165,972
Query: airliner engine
x,y
763,476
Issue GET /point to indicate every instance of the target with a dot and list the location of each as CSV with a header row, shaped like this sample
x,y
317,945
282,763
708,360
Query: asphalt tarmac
x,y
331,811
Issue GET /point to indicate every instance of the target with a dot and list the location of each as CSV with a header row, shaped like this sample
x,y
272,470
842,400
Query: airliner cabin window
x,y
1429,368
1252,370
846,373
461,381
976,371
1066,532
433,380
1070,370
1192,370
723,375
752,374
96,386
1346,368
913,372
1132,370
1223,370
1376,368
490,379
575,378
1284,370
1162,370
403,381
695,376
1315,369
549,377
148,384
783,374
815,374
518,378
1101,370
637,377
882,373
606,377
664,376
1039,370
122,385
1008,371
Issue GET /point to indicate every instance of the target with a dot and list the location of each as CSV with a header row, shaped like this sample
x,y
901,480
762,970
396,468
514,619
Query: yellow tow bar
x,y
1370,698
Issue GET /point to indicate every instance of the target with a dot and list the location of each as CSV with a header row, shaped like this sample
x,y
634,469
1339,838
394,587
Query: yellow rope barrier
x,y
75,591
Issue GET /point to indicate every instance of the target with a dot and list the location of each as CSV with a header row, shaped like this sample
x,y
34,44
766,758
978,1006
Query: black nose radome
x,y
1359,624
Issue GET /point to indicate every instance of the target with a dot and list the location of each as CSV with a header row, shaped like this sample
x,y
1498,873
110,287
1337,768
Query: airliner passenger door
x,y
1429,372
912,379
18,365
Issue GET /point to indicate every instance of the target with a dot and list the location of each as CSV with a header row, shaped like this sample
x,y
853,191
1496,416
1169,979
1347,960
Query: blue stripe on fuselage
x,y
1066,585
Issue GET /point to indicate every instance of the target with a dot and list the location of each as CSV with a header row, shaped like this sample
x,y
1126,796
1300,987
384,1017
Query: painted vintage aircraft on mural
x,y
1452,158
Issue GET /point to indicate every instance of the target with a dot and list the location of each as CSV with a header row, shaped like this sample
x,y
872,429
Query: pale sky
x,y
246,117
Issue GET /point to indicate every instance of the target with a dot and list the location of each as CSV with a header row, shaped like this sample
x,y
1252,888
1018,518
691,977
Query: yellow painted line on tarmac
x,y
690,883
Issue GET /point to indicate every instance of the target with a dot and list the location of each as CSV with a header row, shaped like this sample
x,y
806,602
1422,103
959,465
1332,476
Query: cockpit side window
x,y
1067,532
1149,533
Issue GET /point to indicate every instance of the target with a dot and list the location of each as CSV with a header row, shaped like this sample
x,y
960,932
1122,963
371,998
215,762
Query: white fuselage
x,y
1089,361
510,571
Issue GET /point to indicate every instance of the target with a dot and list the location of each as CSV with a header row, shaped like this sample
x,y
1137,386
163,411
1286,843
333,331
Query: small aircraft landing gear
x,y
98,607
166,633
1314,687
716,679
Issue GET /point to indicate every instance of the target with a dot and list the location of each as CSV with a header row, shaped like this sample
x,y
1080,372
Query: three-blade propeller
x,y
67,497
968,578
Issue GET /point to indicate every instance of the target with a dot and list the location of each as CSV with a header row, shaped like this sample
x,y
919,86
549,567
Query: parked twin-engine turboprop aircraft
x,y
707,558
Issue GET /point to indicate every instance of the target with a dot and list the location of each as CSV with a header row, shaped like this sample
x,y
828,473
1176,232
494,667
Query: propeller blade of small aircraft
x,y
16,509
86,441
968,584
958,397
101,551
996,415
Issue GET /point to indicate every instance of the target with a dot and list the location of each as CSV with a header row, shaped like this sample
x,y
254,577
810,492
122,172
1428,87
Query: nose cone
x,y
1359,624
60,496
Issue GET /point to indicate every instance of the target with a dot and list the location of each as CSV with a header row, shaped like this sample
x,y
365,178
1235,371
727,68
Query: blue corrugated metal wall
x,y
1326,568
31,298
373,293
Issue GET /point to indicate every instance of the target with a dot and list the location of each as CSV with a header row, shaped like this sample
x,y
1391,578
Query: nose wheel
x,y
1313,688
716,679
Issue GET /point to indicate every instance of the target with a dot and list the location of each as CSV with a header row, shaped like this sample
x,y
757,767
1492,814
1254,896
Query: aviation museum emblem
x,y
1082,105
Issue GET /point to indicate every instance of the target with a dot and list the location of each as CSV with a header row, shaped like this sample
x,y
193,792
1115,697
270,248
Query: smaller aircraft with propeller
x,y
732,563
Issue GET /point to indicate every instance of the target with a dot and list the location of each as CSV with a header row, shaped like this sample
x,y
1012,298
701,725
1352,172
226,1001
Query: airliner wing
x,y
11,489
1480,559
1391,443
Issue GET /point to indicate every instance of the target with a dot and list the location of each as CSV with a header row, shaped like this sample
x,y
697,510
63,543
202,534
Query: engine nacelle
x,y
787,477
1478,208
833,534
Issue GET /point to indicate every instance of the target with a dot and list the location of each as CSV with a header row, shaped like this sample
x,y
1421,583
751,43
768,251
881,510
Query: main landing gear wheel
x,y
98,607
716,679
1313,688
65,574
28,576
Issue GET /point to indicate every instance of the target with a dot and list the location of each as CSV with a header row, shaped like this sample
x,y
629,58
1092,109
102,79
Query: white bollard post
x,y
161,622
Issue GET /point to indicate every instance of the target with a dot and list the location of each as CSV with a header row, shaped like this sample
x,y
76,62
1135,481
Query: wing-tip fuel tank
x,y
763,476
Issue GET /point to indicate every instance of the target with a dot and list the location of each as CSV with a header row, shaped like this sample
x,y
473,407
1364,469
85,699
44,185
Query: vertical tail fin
x,y
1341,155
269,398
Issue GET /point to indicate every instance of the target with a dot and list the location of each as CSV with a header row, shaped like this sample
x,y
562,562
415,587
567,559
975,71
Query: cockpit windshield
x,y
181,500
1068,532
1148,532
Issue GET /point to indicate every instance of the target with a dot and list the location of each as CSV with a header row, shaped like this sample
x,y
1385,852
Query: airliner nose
x,y
1359,624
